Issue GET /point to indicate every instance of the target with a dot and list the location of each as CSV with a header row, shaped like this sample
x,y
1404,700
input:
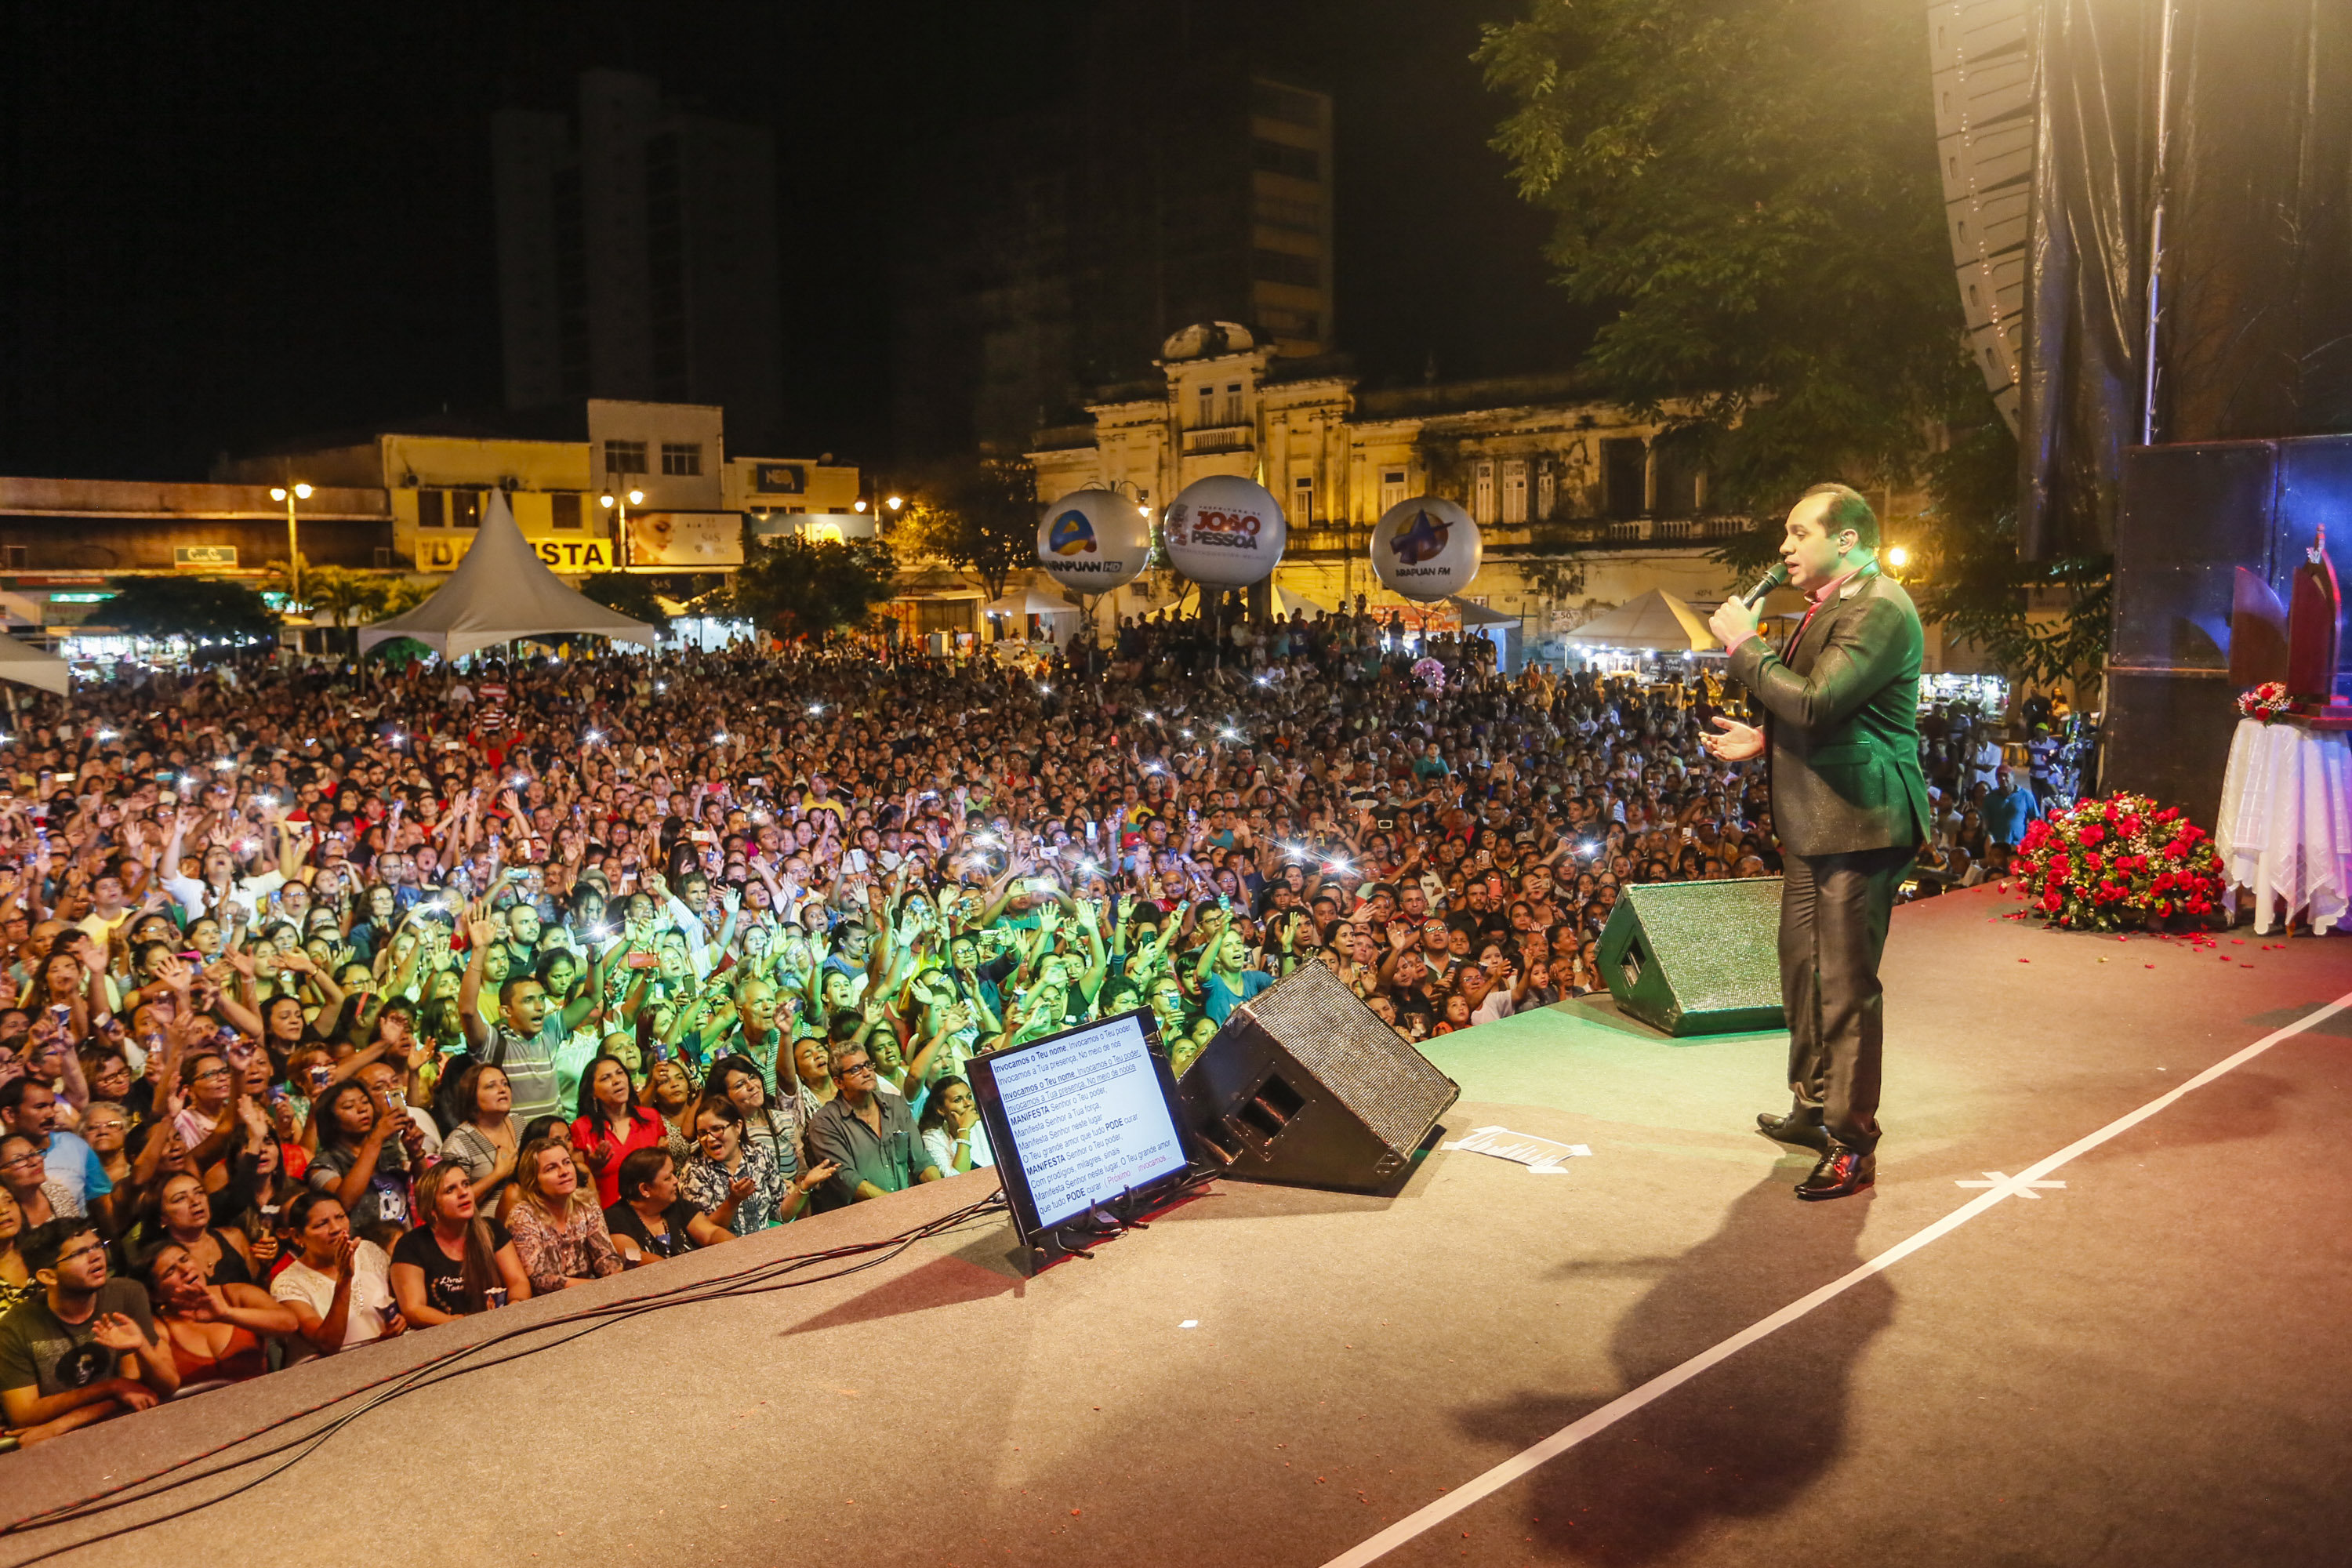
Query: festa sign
x,y
1225,531
1094,541
1426,548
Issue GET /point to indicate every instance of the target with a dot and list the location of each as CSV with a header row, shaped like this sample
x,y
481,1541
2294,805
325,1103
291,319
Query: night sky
x,y
236,223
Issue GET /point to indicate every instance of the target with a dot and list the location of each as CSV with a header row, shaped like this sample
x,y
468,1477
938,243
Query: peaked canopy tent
x,y
1655,620
1507,631
500,592
1029,602
31,666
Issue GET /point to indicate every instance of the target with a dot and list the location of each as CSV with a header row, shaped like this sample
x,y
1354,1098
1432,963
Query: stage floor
x,y
2143,1366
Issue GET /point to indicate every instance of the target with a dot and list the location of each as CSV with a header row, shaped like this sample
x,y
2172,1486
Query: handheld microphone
x,y
1776,578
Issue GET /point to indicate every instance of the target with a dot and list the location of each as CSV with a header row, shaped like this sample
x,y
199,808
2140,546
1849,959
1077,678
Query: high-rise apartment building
x,y
637,256
1051,254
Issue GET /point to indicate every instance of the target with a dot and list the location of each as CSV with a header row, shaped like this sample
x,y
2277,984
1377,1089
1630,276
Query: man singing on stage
x,y
1841,700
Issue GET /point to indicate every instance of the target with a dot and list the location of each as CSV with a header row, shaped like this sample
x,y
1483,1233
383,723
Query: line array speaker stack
x,y
1306,1086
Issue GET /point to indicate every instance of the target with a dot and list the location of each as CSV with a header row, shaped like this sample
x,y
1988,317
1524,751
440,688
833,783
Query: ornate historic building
x,y
1582,506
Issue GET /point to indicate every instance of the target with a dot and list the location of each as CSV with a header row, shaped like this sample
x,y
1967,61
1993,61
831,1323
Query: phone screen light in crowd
x,y
1338,866
817,707
246,845
225,766
1152,718
1046,688
1230,734
1089,866
661,686
106,734
187,781
595,736
719,738
1588,848
1266,681
517,781
1186,734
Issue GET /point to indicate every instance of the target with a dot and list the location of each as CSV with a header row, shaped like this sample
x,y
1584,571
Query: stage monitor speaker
x,y
1306,1086
1696,958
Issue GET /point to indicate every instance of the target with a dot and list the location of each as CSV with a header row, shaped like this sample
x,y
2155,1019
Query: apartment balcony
x,y
1209,438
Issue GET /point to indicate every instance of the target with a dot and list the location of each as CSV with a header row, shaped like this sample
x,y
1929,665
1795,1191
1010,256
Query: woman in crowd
x,y
216,1332
670,1092
951,1130
559,1231
363,1160
339,1287
26,1176
16,1281
742,1188
653,1220
182,1216
457,1261
771,1128
487,1142
611,1127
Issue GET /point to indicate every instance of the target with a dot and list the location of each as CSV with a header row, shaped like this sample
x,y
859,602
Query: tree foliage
x,y
982,517
189,607
633,594
1751,185
1967,573
809,588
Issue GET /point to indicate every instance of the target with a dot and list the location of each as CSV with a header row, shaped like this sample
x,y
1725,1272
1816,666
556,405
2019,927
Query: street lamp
x,y
611,502
1898,558
293,546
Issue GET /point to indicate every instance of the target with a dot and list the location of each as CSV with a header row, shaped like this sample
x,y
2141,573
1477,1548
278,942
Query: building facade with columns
x,y
1581,505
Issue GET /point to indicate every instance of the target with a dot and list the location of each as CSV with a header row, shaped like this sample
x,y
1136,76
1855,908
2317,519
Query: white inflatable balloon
x,y
1094,541
1426,548
1225,531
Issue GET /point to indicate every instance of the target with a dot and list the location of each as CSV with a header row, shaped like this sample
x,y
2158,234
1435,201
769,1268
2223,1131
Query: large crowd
x,y
342,1000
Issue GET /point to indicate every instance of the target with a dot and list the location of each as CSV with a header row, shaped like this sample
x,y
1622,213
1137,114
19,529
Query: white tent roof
x,y
1657,619
1030,602
501,591
1289,599
1480,614
31,666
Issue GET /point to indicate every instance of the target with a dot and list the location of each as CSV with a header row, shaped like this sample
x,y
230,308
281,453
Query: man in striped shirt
x,y
531,1029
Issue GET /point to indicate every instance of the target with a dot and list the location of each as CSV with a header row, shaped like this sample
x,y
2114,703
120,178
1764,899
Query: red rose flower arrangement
x,y
2116,864
2268,703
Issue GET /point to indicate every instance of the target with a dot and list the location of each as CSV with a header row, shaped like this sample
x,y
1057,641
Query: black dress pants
x,y
1833,914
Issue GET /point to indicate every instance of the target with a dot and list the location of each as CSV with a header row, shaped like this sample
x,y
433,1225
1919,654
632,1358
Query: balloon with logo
x,y
1225,531
1426,548
1094,541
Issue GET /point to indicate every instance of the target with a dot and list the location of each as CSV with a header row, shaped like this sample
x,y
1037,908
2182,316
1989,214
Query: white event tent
x,y
500,592
31,666
1654,620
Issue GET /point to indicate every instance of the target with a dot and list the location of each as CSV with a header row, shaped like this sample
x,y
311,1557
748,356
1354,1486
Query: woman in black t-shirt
x,y
652,1221
458,1262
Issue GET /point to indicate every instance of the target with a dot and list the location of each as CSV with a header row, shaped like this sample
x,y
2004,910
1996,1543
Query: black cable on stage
x,y
757,1279
442,1368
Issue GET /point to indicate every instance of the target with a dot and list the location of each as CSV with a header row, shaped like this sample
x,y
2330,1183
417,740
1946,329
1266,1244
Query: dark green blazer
x,y
1842,722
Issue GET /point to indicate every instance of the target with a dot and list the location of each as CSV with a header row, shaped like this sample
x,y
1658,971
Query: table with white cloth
x,y
2286,830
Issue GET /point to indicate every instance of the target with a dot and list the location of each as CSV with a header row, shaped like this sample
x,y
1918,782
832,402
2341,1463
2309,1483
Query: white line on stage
x,y
1625,1403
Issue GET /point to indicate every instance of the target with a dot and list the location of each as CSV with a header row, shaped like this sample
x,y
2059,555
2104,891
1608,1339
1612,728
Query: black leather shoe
x,y
1842,1172
1789,1129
